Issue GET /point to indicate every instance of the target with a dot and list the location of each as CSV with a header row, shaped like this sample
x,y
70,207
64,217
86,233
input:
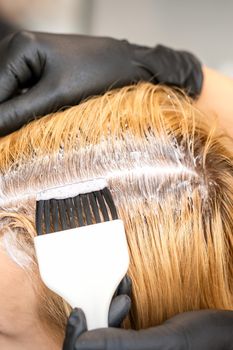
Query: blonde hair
x,y
171,177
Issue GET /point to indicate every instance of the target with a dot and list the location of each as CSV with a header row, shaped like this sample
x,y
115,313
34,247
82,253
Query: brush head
x,y
84,266
81,246
56,213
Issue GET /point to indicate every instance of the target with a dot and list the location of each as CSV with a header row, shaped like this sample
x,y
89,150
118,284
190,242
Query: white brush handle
x,y
84,266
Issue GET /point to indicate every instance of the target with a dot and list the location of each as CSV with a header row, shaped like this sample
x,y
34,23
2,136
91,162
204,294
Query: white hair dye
x,y
8,242
72,190
130,166
67,174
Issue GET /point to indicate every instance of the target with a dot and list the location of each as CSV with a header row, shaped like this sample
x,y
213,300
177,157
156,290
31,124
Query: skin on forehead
x,y
20,326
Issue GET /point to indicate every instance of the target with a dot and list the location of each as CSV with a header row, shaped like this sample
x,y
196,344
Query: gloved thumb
x,y
119,309
24,108
75,327
21,64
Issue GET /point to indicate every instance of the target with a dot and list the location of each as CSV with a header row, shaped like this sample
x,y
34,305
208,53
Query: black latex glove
x,y
6,27
119,309
61,70
197,330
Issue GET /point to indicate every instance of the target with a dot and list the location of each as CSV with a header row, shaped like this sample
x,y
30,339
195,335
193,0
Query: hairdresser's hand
x,y
199,330
119,309
61,70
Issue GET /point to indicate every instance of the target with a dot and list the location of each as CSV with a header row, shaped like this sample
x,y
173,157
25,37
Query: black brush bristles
x,y
102,205
63,214
109,200
70,211
86,208
94,206
55,215
39,217
78,207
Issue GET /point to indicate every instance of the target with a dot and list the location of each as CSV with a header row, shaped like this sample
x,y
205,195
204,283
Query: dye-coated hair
x,y
171,176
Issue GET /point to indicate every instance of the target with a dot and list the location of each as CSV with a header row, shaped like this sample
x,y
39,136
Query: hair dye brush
x,y
81,246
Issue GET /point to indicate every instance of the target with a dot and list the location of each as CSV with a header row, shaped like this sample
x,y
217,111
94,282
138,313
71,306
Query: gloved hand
x,y
61,70
197,330
119,309
6,27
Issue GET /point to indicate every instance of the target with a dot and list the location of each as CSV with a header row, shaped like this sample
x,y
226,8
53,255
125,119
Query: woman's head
x,y
171,177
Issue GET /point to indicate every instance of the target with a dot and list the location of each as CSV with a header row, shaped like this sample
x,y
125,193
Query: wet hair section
x,y
133,137
147,161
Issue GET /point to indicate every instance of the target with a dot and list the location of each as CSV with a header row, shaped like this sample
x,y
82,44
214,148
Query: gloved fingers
x,y
91,340
21,64
75,327
119,309
204,329
125,287
8,82
26,107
